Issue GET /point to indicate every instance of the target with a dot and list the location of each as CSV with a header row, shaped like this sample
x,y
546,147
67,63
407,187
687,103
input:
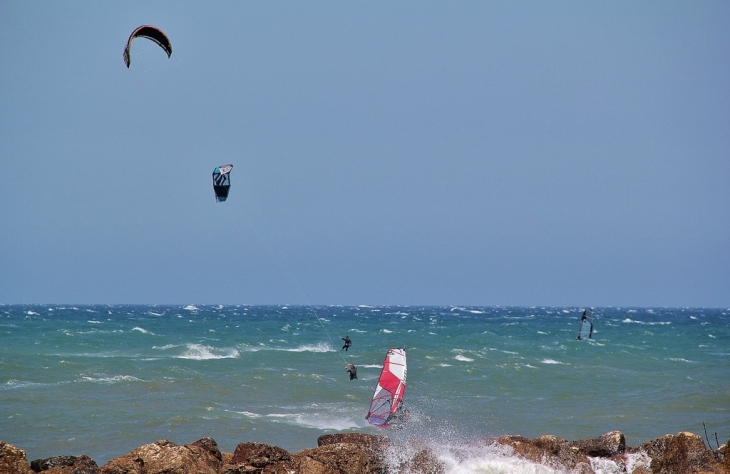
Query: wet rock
x,y
606,445
65,465
424,462
166,457
683,453
13,460
345,458
359,439
549,451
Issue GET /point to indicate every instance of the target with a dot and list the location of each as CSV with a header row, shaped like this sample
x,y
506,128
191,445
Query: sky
x,y
385,153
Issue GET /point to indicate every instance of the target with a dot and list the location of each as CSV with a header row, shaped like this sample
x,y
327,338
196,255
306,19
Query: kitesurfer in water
x,y
348,343
352,370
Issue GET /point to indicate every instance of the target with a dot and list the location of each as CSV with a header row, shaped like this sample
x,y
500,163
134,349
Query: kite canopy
x,y
390,389
222,182
151,33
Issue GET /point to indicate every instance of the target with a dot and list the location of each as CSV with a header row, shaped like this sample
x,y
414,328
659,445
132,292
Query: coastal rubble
x,y
356,453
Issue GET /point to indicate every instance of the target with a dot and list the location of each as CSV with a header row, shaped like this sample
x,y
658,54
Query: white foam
x,y
551,361
463,358
320,421
112,379
201,352
191,307
386,331
650,323
142,330
321,347
468,459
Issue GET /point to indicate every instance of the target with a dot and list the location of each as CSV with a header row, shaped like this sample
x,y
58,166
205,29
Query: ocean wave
x,y
142,330
112,379
463,358
191,307
648,323
321,347
552,361
15,384
319,421
201,352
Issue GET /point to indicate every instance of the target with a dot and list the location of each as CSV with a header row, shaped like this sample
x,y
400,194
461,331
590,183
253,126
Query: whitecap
x,y
386,331
463,358
551,361
142,330
201,352
191,307
321,347
112,379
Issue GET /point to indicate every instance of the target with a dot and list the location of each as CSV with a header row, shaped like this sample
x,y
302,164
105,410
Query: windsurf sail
x,y
585,331
222,182
391,387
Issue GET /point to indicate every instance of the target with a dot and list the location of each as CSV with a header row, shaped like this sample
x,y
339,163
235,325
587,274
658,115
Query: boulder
x,y
65,465
605,446
359,439
683,453
547,450
166,457
13,460
345,458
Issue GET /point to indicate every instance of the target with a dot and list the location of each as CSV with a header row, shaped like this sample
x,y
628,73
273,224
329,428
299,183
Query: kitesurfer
x,y
348,343
352,370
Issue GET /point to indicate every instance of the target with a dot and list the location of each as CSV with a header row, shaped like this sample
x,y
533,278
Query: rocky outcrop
x,y
65,465
348,453
13,460
166,457
684,453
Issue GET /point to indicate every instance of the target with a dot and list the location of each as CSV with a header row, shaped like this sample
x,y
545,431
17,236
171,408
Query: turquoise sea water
x,y
102,380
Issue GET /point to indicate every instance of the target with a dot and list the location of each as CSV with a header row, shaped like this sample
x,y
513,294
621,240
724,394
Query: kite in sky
x,y
151,33
222,182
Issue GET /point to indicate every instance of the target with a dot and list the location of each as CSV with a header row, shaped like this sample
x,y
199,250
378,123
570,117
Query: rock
x,y
606,445
345,458
259,454
13,460
65,465
683,453
547,450
424,462
359,439
166,457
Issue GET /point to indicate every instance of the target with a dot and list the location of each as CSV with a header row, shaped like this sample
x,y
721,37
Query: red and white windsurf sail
x,y
390,389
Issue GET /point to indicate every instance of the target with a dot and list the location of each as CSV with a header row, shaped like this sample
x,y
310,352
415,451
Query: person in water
x,y
352,370
399,417
348,343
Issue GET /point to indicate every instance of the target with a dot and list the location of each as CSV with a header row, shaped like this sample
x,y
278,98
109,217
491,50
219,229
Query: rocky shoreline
x,y
355,453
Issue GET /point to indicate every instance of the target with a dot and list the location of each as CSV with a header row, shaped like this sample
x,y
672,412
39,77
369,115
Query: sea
x,y
102,380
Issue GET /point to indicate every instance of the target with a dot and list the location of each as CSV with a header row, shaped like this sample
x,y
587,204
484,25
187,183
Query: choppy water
x,y
102,380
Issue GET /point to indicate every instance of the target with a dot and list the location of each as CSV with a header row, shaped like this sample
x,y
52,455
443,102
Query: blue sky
x,y
467,153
